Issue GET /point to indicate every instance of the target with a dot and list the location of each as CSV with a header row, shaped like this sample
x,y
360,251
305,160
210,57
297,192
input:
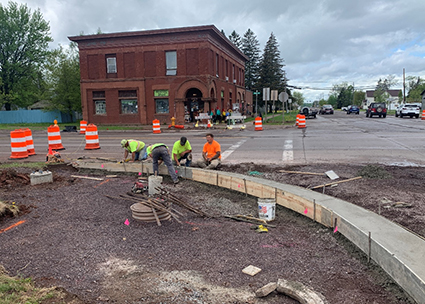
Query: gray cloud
x,y
323,42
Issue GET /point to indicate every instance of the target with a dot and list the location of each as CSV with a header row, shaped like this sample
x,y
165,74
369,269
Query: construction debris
x,y
88,177
154,204
168,196
331,174
335,183
7,209
251,270
250,219
299,292
53,157
266,290
300,172
9,177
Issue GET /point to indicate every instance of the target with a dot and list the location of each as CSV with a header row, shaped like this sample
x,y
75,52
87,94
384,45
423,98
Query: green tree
x,y
63,77
332,100
344,94
251,48
235,38
358,98
415,86
271,73
24,38
298,99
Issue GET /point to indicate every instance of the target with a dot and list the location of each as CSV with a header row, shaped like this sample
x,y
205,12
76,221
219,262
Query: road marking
x,y
288,152
229,151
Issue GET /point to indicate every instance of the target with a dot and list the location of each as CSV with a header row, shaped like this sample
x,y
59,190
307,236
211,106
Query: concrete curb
x,y
399,252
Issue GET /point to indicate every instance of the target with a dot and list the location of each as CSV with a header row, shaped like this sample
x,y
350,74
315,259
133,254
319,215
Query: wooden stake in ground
x,y
343,181
299,172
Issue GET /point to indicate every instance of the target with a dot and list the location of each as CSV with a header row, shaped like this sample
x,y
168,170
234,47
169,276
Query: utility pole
x,y
404,86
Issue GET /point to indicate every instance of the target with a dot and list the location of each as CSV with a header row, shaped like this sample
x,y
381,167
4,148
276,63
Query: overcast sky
x,y
322,42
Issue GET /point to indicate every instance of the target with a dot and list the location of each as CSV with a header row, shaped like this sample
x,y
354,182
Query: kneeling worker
x,y
159,154
211,153
182,150
135,147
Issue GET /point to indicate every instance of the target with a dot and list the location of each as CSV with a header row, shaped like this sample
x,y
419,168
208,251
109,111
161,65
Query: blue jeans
x,y
161,152
141,155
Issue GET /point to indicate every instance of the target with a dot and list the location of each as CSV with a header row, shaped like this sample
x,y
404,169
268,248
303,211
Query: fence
x,y
35,116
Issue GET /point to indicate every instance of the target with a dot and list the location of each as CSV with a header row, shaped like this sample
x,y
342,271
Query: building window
x,y
128,101
227,70
161,103
111,64
217,65
171,61
99,102
161,106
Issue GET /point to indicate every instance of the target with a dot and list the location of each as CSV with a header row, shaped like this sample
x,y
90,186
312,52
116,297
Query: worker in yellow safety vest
x,y
136,148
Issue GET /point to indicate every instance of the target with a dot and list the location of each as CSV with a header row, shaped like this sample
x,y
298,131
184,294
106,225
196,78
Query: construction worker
x,y
182,150
211,154
135,147
160,153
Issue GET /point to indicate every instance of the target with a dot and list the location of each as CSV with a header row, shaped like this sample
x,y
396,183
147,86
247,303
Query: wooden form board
x,y
205,176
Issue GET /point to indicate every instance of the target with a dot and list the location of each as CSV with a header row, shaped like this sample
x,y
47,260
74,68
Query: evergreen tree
x,y
24,38
235,39
271,73
251,48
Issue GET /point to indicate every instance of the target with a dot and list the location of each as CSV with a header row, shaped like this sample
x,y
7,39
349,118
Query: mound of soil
x,y
76,237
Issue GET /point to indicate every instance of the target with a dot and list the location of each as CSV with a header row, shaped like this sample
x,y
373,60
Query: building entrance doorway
x,y
193,104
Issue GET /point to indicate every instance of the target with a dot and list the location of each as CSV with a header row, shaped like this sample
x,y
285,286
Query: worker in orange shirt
x,y
211,154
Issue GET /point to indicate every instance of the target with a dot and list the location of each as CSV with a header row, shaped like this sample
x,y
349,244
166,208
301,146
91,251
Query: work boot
x,y
176,181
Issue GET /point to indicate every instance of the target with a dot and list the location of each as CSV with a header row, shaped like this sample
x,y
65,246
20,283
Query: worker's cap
x,y
183,141
123,142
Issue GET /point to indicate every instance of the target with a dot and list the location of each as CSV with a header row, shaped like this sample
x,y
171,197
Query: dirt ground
x,y
75,237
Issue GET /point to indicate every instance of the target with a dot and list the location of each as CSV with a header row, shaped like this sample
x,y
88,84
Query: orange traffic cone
x,y
209,124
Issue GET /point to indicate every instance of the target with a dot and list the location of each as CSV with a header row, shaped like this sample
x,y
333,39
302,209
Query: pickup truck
x,y
308,112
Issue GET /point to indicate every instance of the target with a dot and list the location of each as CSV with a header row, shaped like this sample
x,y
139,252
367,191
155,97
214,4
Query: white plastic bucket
x,y
266,208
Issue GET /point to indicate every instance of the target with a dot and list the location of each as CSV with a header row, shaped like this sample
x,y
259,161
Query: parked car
x,y
408,109
353,109
377,108
308,112
344,108
326,109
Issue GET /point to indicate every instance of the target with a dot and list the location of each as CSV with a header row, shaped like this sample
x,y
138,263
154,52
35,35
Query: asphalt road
x,y
338,138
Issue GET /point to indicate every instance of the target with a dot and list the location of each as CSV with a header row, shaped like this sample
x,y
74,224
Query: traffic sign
x,y
283,96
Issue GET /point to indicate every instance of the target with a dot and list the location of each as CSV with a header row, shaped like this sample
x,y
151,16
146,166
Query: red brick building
x,y
136,77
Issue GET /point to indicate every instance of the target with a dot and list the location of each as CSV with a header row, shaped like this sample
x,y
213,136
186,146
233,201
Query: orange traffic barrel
x,y
83,126
156,126
54,138
423,115
18,144
301,122
258,124
29,141
297,121
92,138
